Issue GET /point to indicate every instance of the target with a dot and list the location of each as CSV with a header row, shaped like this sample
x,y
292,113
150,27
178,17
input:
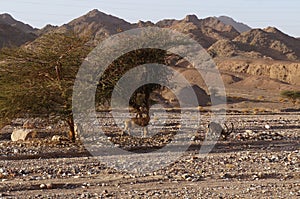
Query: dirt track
x,y
254,163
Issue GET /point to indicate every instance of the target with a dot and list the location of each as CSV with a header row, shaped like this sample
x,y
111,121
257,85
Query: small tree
x,y
140,99
38,79
291,95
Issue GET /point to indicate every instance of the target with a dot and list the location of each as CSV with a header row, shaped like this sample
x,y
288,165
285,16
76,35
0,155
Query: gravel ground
x,y
261,159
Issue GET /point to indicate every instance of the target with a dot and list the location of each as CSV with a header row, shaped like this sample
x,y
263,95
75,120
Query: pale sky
x,y
285,15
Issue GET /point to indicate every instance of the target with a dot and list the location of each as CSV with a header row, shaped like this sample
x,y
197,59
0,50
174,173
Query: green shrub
x,y
292,95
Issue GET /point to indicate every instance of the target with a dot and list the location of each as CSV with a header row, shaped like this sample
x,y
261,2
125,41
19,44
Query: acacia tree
x,y
141,97
37,79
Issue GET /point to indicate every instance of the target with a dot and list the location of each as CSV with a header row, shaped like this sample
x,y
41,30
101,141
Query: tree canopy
x,y
141,97
37,79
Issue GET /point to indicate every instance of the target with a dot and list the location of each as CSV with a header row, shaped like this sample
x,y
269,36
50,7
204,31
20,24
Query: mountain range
x,y
234,46
221,36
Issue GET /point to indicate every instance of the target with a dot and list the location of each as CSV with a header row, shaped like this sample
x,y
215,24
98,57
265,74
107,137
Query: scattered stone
x,y
22,134
58,138
249,132
256,169
43,186
16,151
225,175
267,126
49,185
274,158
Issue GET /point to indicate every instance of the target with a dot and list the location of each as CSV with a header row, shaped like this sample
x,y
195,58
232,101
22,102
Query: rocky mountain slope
x,y
206,31
97,24
268,43
9,20
271,42
47,29
11,36
13,32
240,27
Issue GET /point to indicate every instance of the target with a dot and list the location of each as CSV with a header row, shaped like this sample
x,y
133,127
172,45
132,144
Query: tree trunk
x,y
71,129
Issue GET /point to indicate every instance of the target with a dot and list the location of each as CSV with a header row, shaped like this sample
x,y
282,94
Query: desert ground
x,y
260,159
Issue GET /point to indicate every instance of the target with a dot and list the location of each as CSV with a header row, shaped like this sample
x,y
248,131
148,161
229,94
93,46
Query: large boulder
x,y
22,134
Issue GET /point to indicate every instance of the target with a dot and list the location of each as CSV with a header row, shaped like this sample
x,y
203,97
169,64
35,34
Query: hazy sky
x,y
285,15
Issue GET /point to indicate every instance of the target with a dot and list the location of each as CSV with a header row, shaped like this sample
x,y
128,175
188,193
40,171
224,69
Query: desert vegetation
x,y
37,80
291,95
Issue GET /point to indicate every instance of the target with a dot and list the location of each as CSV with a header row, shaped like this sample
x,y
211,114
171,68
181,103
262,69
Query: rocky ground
x,y
261,159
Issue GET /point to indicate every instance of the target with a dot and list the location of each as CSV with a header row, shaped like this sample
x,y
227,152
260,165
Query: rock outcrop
x,y
288,72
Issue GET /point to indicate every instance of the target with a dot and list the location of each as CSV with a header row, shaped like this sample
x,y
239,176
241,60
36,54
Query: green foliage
x,y
38,79
123,64
291,94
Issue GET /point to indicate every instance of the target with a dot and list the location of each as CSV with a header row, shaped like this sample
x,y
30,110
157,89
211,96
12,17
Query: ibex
x,y
141,119
216,129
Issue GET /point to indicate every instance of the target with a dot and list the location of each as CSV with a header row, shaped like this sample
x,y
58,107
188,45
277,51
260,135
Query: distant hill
x,y
268,43
13,32
100,25
11,36
9,20
47,29
206,31
240,27
97,24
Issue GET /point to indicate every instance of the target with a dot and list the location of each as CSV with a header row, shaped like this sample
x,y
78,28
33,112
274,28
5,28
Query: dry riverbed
x,y
256,162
